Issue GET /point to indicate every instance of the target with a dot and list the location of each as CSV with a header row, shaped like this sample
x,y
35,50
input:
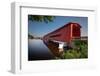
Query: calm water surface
x,y
37,50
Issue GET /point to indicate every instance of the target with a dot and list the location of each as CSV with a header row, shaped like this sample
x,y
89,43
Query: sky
x,y
39,29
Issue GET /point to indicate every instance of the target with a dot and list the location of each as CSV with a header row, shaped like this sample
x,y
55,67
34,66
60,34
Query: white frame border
x,y
16,30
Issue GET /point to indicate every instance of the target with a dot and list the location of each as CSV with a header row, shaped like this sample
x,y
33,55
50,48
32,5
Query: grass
x,y
79,51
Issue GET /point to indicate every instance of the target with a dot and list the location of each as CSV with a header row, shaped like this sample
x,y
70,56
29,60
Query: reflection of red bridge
x,y
66,33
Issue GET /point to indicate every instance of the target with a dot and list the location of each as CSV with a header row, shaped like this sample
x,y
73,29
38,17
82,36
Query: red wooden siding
x,y
65,34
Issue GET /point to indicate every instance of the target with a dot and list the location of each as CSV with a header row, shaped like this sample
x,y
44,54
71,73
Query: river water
x,y
37,50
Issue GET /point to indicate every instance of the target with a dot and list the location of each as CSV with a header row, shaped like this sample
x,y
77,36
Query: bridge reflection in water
x,y
54,48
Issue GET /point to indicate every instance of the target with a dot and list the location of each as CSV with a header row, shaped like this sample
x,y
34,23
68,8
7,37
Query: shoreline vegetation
x,y
33,37
79,51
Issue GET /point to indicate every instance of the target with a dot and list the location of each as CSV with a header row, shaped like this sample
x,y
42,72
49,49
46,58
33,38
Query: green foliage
x,y
79,51
70,54
41,18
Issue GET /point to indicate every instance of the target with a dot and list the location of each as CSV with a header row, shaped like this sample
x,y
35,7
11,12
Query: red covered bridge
x,y
66,33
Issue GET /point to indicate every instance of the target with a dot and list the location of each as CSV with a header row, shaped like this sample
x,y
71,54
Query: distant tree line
x,y
30,36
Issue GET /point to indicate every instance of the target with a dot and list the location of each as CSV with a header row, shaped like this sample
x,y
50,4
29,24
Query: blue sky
x,y
41,28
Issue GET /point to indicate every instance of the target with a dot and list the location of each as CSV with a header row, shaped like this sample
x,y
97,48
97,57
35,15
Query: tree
x,y
41,18
30,36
